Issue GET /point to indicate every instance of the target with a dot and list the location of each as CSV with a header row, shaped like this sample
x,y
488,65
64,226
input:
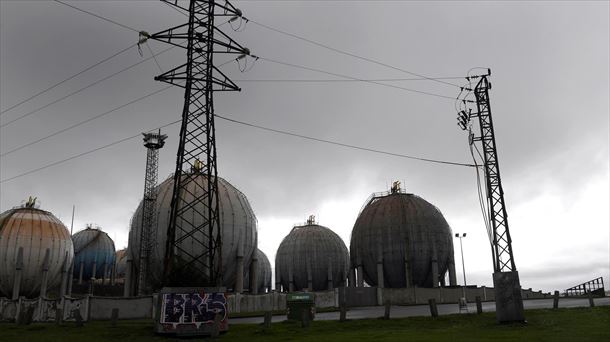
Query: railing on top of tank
x,y
376,195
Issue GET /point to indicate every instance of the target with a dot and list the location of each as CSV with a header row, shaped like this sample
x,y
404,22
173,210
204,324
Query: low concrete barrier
x,y
100,308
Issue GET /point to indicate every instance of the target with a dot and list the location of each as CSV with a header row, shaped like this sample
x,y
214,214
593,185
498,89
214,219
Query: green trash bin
x,y
296,302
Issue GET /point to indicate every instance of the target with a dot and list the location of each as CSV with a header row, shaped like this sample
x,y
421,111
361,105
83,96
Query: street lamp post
x,y
460,236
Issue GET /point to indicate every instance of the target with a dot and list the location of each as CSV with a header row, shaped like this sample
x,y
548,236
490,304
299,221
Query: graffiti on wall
x,y
193,309
74,307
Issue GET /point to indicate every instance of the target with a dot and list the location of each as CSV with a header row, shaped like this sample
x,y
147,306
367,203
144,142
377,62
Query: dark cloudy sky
x,y
550,65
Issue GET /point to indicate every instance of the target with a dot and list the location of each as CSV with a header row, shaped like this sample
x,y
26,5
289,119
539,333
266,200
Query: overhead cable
x,y
85,153
67,79
341,144
97,16
347,53
435,79
84,88
249,125
85,121
306,80
354,78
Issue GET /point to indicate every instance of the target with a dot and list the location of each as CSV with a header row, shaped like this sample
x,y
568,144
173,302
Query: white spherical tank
x,y
237,220
311,256
34,231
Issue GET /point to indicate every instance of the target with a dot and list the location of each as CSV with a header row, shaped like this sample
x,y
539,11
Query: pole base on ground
x,y
509,304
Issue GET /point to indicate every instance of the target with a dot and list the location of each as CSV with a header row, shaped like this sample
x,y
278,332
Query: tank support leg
x,y
434,271
309,277
80,273
45,274
63,288
254,276
452,277
239,275
18,269
352,277
380,274
105,274
330,275
128,278
278,279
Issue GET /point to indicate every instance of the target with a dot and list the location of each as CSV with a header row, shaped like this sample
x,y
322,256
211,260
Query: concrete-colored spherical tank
x,y
35,231
121,263
403,232
93,252
263,272
237,220
313,256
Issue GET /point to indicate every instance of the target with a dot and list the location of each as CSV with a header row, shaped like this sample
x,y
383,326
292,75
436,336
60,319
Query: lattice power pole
x,y
509,303
153,142
194,245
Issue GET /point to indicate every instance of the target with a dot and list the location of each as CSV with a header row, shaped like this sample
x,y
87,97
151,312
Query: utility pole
x,y
193,254
153,142
509,303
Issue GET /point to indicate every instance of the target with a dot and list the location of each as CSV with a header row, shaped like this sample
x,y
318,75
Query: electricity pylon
x,y
509,302
193,254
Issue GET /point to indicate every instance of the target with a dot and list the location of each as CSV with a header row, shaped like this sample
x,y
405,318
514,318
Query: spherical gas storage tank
x,y
121,263
93,253
263,273
311,257
34,231
405,234
237,220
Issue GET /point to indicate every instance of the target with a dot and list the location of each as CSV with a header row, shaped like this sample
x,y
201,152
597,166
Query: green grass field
x,y
582,324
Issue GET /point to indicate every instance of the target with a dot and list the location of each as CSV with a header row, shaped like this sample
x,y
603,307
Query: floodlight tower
x,y
509,303
153,143
193,251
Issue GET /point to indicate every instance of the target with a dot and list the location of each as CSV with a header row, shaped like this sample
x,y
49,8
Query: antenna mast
x,y
153,142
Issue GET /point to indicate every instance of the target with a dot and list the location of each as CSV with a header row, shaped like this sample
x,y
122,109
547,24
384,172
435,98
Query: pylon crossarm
x,y
175,4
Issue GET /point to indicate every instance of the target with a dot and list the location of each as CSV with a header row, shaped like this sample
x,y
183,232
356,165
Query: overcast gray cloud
x,y
550,102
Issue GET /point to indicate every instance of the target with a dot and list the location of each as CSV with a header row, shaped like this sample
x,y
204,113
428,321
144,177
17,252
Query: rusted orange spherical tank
x,y
35,231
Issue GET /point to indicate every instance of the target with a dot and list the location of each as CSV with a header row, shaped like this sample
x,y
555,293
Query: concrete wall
x,y
327,299
448,294
100,308
256,303
358,296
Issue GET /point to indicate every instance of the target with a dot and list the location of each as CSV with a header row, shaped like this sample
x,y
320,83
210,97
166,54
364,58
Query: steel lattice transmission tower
x,y
194,246
153,142
509,303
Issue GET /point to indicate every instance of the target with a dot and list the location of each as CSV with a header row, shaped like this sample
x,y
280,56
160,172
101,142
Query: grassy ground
x,y
583,324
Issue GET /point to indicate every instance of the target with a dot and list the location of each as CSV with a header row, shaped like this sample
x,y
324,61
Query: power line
x,y
354,78
67,79
85,153
347,53
84,88
97,16
349,80
254,126
435,79
341,144
84,121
